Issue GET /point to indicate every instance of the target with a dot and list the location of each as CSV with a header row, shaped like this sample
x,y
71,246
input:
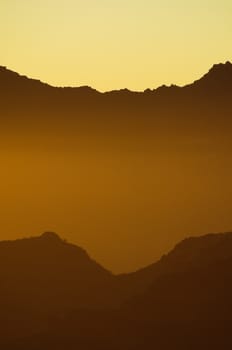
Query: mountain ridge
x,y
215,70
221,240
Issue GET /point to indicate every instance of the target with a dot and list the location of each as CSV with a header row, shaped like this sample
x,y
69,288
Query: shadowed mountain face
x,y
45,276
217,79
185,303
47,270
190,254
114,166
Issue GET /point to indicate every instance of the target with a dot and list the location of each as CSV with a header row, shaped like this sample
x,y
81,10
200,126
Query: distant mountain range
x,y
53,295
219,76
25,91
199,110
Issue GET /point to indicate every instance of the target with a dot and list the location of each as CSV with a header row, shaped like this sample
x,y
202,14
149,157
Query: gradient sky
x,y
112,44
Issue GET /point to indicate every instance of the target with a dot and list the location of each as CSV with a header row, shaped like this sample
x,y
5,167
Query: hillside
x,y
188,301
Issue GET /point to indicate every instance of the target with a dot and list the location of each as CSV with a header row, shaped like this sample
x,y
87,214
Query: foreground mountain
x,y
43,277
191,253
186,303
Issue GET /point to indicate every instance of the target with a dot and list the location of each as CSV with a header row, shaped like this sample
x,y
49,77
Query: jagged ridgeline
x,y
29,102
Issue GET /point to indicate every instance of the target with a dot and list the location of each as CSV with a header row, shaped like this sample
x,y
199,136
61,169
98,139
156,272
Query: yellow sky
x,y
111,44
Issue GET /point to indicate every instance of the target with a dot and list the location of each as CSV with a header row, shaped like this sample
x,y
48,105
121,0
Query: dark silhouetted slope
x,y
187,305
50,270
218,78
191,253
43,277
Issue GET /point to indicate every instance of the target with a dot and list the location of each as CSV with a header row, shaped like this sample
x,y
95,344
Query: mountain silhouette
x,y
29,105
187,303
25,91
219,76
191,253
51,271
45,276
